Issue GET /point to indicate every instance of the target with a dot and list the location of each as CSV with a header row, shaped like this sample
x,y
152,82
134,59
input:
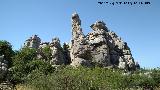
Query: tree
x,y
6,50
47,52
25,62
66,53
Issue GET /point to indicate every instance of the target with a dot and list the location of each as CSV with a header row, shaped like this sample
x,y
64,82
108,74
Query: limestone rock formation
x,y
57,56
79,53
97,40
57,53
3,67
33,42
100,47
120,52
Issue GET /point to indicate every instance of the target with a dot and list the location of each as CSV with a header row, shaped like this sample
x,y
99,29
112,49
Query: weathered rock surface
x,y
120,52
3,67
97,41
101,47
33,42
57,56
80,53
57,52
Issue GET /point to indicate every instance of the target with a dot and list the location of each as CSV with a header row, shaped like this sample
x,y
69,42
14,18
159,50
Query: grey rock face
x,y
79,49
57,53
122,64
101,46
3,67
57,56
33,42
120,50
97,41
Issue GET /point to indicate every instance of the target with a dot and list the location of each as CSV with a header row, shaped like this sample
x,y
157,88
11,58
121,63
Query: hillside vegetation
x,y
26,72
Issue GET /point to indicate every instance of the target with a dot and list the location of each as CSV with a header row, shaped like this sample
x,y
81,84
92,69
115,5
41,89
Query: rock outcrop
x,y
57,52
101,47
56,57
80,53
120,52
3,67
97,41
33,42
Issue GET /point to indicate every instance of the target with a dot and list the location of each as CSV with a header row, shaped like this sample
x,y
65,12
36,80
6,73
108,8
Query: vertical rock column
x,y
79,49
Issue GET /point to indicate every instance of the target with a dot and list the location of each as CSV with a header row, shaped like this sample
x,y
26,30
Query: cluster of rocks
x,y
33,42
3,67
100,47
57,57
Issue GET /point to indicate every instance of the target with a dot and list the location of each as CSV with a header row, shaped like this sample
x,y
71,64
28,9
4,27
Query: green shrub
x,y
47,52
39,75
24,62
82,78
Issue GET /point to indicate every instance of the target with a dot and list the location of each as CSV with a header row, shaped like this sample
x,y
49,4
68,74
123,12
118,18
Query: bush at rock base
x,y
82,78
24,63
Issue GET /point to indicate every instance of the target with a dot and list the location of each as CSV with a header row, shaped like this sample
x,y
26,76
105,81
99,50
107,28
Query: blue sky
x,y
138,25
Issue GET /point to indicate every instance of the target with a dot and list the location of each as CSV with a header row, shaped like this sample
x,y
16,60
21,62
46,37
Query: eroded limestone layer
x,y
100,47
